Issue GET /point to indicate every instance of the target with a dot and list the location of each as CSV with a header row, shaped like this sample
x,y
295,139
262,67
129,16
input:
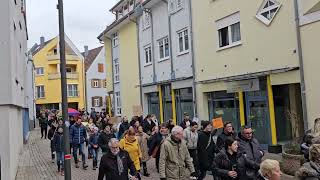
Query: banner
x,y
217,123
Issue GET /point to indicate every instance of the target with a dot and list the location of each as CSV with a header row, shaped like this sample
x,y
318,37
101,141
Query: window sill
x,y
164,59
40,98
73,96
239,43
116,82
39,75
115,46
183,53
149,64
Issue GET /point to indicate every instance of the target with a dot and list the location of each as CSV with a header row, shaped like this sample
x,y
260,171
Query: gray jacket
x,y
191,138
309,171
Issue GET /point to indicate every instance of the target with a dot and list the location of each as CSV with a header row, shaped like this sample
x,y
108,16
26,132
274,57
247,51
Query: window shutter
x,y
92,83
101,101
92,100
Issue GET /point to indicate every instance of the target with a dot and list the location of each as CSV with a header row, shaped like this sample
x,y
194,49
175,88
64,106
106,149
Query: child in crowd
x,y
58,142
51,133
93,142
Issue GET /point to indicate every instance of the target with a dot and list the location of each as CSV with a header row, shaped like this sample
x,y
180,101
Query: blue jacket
x,y
93,140
58,142
78,134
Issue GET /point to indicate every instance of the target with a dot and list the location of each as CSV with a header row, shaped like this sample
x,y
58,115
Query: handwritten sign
x,y
137,110
217,123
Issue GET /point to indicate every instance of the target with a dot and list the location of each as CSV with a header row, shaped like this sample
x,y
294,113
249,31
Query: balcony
x,y
55,58
54,76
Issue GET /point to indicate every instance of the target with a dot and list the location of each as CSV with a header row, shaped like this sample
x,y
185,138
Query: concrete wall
x,y
93,73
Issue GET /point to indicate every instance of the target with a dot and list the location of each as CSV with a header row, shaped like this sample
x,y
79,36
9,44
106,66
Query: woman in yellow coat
x,y
130,144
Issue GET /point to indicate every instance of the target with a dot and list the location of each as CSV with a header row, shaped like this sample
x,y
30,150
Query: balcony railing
x,y
73,75
54,57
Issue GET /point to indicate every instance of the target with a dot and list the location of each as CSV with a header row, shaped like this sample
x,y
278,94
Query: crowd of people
x,y
189,150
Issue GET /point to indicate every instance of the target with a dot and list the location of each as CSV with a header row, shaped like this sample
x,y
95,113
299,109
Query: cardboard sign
x,y
113,120
217,123
137,110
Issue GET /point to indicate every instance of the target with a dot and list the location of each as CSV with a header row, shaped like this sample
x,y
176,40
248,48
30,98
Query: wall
x,y
108,56
93,73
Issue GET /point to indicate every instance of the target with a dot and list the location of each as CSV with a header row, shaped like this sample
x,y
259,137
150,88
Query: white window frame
x,y
116,71
162,45
262,10
40,91
95,83
175,6
146,20
147,55
72,90
228,22
118,103
96,102
125,11
115,40
184,33
131,5
38,72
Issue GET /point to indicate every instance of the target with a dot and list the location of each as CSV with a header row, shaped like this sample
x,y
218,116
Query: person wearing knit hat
x,y
206,148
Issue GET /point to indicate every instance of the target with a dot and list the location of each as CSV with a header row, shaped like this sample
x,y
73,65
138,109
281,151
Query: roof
x,y
36,48
89,59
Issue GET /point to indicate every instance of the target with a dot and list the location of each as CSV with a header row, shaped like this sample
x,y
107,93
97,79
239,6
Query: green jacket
x,y
174,160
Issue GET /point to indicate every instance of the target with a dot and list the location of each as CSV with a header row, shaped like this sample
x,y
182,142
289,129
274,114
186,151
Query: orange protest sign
x,y
217,123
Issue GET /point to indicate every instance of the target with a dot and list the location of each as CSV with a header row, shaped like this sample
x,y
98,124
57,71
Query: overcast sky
x,y
84,20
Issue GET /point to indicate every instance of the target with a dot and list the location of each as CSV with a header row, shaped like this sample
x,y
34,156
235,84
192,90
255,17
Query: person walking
x,y
227,132
78,135
250,148
143,143
93,142
206,148
116,163
311,170
123,126
270,170
156,142
186,121
58,143
148,124
130,144
104,138
154,119
190,135
43,122
225,164
175,158
51,133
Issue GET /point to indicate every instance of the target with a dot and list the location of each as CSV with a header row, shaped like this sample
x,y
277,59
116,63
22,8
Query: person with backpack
x,y
78,136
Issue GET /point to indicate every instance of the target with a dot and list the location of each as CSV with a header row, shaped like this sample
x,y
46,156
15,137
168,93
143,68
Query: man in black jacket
x,y
251,150
206,148
115,164
104,138
227,132
123,126
148,124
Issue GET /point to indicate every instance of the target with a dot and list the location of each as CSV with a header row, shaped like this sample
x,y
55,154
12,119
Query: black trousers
x,y
44,131
157,163
194,155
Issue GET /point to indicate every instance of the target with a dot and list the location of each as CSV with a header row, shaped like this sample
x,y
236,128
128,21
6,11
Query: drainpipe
x,y
153,49
194,92
300,53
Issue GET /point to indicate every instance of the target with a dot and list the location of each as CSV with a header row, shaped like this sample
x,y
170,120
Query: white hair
x,y
112,141
175,130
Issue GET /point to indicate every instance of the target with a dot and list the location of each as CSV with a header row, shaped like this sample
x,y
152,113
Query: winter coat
x,y
251,151
156,140
143,143
58,142
206,150
184,125
108,169
147,127
43,122
93,140
78,134
174,160
222,138
191,138
104,139
222,164
133,149
123,127
309,171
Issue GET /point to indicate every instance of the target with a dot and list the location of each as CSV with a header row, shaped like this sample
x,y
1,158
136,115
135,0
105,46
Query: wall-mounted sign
x,y
245,85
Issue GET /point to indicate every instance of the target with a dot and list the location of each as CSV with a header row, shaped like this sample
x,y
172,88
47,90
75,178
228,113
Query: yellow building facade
x,y
120,41
48,78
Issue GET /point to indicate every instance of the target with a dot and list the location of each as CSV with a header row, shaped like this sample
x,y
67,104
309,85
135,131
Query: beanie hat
x,y
204,124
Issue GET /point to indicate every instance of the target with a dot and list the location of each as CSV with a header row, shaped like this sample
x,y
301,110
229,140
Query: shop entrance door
x,y
258,118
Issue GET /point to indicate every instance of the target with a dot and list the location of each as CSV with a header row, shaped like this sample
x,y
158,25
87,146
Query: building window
x,y
15,2
175,5
40,92
118,103
116,71
73,90
164,48
95,83
115,40
229,31
105,83
148,55
146,20
125,9
96,102
120,15
55,51
183,39
131,5
100,68
267,11
39,71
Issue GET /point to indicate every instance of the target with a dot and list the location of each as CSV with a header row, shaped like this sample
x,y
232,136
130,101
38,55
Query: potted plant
x,y
292,155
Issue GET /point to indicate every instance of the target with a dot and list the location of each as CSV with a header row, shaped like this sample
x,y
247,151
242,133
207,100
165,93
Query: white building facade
x,y
14,124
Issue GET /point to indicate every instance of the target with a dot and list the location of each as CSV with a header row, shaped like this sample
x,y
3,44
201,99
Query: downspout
x,y
302,80
112,67
194,92
84,86
30,59
153,50
86,89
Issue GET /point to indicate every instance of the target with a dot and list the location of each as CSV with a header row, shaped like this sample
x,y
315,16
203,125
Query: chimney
x,y
86,51
41,41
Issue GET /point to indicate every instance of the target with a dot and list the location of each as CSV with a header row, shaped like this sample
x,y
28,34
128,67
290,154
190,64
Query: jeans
x,y
94,153
75,148
194,155
60,160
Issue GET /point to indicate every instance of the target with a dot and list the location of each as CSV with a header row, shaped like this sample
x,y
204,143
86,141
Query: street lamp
x,y
67,155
